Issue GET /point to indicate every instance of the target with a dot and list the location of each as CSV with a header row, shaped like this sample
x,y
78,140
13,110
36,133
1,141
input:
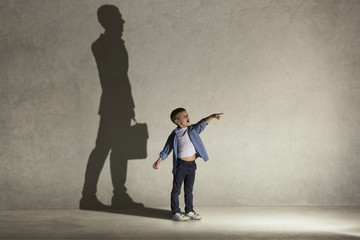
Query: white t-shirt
x,y
185,147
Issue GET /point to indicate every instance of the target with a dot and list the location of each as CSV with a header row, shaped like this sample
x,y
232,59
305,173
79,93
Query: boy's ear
x,y
176,121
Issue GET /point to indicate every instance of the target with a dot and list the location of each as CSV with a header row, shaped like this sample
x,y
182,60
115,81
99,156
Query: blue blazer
x,y
171,144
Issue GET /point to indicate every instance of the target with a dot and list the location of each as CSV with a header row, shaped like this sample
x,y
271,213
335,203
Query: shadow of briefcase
x,y
136,146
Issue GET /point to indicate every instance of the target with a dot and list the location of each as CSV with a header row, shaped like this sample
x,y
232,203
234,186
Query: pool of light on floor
x,y
294,223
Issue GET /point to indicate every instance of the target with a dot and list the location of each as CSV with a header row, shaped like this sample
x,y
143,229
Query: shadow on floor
x,y
140,212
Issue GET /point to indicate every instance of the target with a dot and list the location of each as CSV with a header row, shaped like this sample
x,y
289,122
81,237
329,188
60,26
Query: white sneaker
x,y
180,217
193,215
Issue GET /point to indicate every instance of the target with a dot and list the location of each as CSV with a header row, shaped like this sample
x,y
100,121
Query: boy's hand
x,y
217,115
157,163
212,116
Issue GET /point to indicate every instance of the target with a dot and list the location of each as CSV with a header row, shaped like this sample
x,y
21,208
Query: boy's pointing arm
x,y
212,116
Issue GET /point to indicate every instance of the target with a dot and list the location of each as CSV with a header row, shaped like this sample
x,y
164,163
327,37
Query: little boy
x,y
187,146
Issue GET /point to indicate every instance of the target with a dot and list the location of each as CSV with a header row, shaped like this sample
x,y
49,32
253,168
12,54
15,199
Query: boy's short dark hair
x,y
175,112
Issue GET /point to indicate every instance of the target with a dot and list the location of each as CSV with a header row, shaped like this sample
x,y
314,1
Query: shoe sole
x,y
193,218
181,219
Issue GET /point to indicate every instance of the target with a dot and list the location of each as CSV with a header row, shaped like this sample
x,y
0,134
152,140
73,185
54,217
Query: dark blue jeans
x,y
185,172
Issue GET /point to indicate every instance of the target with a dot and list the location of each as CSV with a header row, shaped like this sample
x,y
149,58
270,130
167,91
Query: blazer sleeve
x,y
200,126
168,147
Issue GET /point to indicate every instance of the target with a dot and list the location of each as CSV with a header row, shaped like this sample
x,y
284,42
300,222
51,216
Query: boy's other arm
x,y
212,116
165,152
157,163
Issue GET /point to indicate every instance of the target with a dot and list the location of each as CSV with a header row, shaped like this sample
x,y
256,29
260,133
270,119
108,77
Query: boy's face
x,y
182,119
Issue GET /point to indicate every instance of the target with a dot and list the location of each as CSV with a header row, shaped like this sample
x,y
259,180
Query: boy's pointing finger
x,y
218,115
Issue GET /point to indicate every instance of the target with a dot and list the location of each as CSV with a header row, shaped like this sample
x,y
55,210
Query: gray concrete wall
x,y
285,74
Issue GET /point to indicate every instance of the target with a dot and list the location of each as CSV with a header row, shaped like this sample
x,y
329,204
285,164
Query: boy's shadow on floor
x,y
139,211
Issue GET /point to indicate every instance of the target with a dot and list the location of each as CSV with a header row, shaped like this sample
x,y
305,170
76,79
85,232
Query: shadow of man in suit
x,y
116,111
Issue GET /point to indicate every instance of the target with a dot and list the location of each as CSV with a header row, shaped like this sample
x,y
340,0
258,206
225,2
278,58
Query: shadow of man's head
x,y
110,18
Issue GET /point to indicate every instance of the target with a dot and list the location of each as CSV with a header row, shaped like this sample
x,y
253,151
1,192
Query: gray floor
x,y
219,222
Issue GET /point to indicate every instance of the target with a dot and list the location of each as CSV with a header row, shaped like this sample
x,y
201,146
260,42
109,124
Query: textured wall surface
x,y
285,74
